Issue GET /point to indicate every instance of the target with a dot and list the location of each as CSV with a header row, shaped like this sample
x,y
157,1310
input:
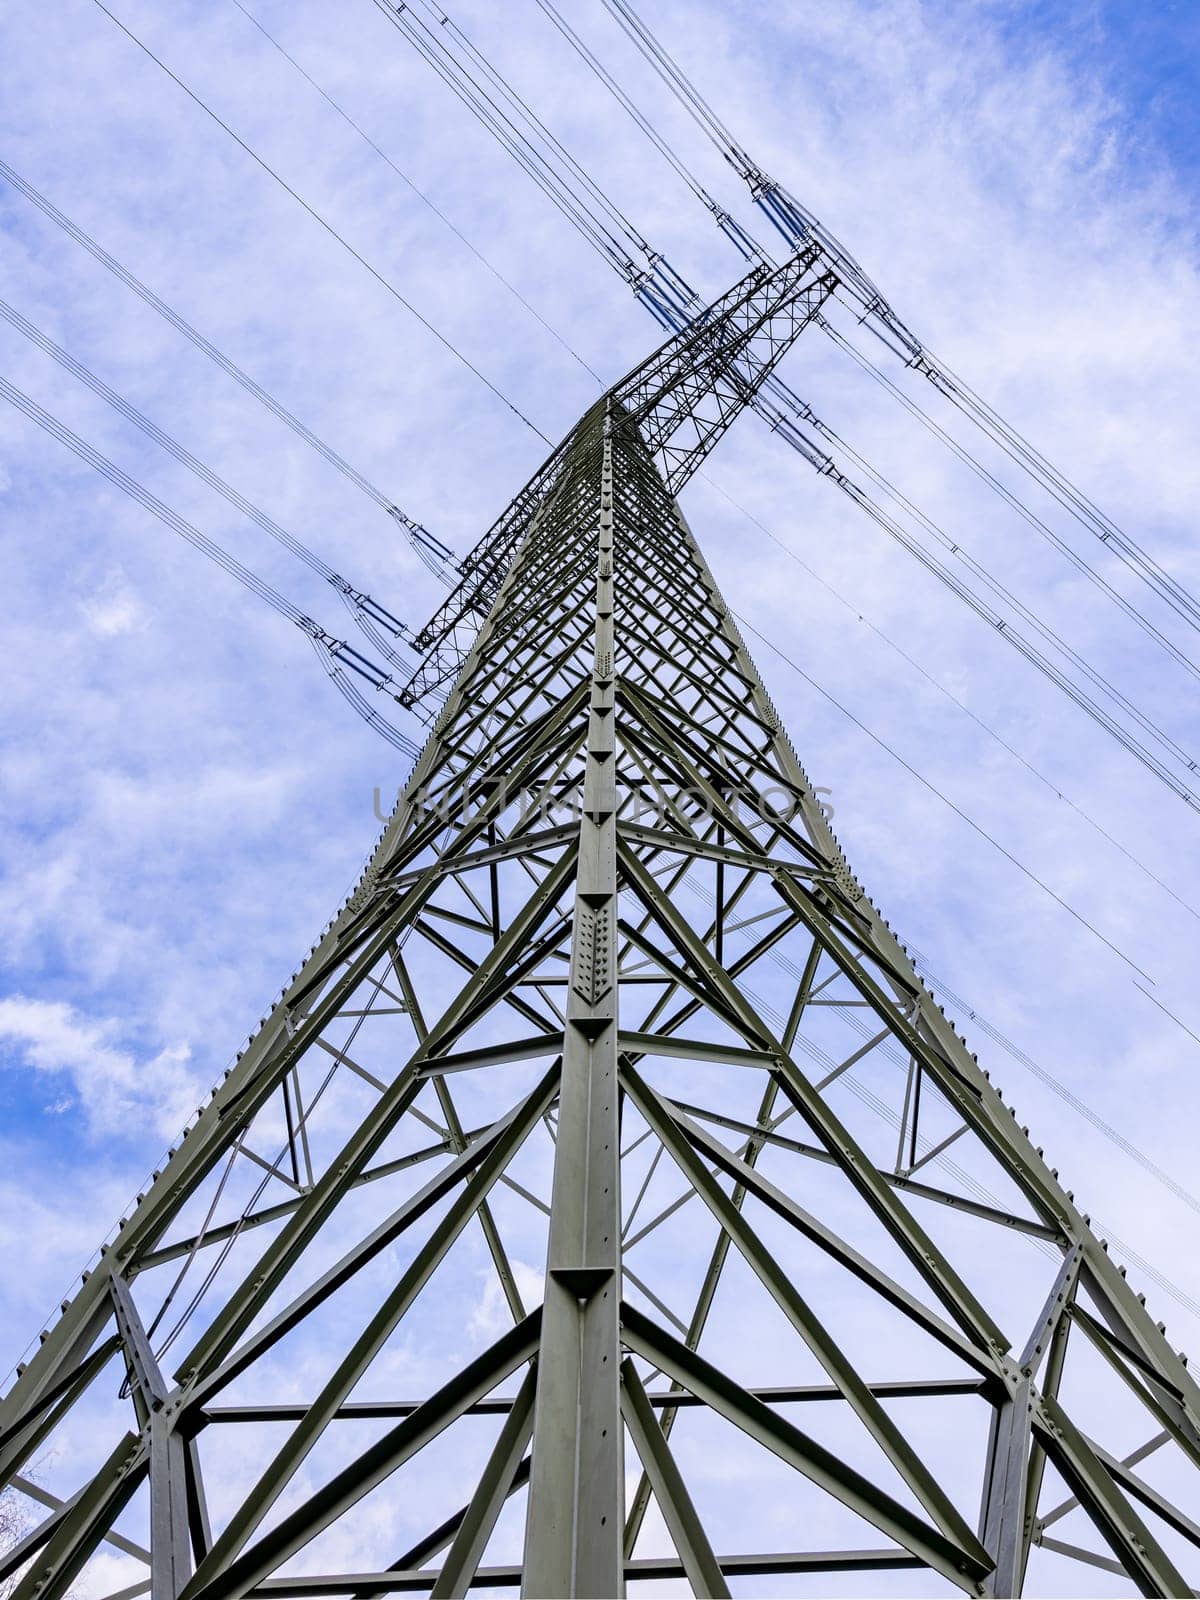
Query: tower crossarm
x,y
689,391
681,400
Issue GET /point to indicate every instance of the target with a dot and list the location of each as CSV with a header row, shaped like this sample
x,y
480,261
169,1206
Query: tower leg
x,y
1003,1522
576,1497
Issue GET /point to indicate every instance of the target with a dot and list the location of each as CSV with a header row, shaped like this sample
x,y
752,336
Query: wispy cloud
x,y
111,1084
113,607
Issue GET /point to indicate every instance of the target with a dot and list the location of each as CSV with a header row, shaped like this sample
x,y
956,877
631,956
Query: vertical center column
x,y
576,1496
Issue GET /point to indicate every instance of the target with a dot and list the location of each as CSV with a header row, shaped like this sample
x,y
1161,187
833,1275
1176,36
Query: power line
x,y
828,468
425,542
558,188
687,93
366,610
929,677
965,1179
416,190
614,88
1180,603
1179,1023
564,181
989,615
737,235
1068,495
508,94
341,662
379,277
798,225
945,799
1055,1085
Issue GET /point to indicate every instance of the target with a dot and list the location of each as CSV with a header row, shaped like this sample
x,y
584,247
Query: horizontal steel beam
x,y
500,1405
733,1566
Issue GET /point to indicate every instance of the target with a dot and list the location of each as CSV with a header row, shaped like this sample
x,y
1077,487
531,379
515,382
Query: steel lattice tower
x,y
590,1006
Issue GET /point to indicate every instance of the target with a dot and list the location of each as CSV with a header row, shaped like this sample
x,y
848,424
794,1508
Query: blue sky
x,y
1145,56
185,797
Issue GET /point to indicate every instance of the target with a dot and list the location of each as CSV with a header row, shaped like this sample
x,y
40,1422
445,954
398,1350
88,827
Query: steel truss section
x,y
558,1228
681,400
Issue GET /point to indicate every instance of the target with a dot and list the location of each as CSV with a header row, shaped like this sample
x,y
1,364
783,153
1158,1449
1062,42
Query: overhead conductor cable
x,y
797,225
420,193
341,661
431,550
374,619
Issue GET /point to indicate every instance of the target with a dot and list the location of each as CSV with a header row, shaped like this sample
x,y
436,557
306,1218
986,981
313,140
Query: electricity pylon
x,y
561,1227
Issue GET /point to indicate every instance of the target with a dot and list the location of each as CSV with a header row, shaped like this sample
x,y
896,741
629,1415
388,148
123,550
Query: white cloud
x,y
113,608
490,1315
113,1084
